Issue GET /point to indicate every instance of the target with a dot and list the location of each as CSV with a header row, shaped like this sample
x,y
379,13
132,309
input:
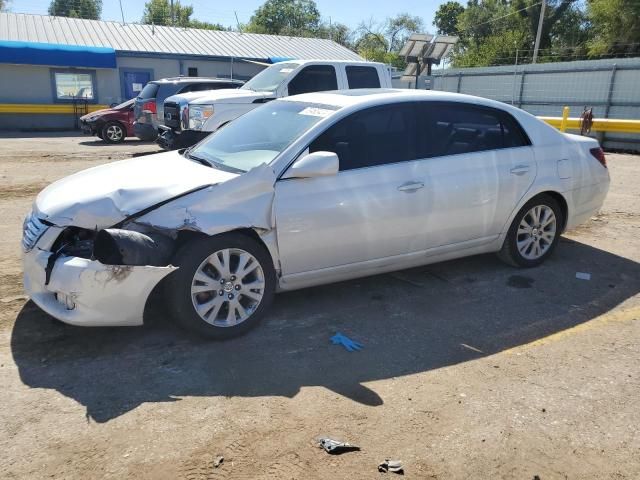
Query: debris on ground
x,y
346,342
583,276
335,447
218,461
394,466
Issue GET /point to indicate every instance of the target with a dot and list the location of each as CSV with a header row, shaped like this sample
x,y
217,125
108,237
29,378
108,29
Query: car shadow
x,y
97,142
410,321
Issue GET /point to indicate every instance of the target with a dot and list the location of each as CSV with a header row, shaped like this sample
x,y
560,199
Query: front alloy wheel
x,y
227,287
113,132
223,285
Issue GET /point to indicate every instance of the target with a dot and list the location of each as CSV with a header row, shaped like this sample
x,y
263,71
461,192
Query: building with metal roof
x,y
109,62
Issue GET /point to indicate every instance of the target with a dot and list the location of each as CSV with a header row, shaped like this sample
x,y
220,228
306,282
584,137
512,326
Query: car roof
x,y
196,80
336,62
375,96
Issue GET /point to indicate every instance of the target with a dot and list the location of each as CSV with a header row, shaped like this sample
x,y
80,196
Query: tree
x,y
159,12
337,32
4,4
381,42
446,18
286,17
89,9
492,31
616,28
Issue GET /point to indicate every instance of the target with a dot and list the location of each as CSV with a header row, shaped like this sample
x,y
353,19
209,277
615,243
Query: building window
x,y
192,71
72,85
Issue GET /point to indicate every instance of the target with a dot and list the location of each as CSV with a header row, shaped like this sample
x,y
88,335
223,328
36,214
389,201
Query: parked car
x,y
303,191
112,125
149,112
190,118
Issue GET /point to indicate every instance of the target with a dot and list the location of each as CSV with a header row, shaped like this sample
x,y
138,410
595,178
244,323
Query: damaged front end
x,y
103,276
63,277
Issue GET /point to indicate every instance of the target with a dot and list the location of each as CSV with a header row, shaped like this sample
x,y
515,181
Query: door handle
x,y
520,170
411,186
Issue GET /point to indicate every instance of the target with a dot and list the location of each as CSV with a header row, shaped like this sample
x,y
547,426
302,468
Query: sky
x,y
349,12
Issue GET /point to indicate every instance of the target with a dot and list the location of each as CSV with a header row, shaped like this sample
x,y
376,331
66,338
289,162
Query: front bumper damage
x,y
86,275
86,292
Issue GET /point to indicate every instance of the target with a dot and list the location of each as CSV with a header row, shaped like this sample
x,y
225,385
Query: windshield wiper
x,y
187,153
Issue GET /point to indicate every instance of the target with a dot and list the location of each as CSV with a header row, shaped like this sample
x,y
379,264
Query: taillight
x,y
598,153
149,107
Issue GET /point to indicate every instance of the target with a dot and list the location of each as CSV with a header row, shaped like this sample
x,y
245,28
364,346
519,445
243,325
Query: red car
x,y
112,125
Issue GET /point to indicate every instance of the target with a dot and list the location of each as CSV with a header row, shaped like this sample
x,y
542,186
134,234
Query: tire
x,y
530,241
113,132
222,298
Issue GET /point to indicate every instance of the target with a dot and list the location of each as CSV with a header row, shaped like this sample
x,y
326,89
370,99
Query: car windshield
x,y
270,78
259,136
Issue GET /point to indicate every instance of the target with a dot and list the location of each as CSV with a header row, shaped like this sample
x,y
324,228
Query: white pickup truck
x,y
190,117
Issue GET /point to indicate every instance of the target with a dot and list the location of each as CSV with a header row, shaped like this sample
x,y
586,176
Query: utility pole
x,y
122,12
173,22
539,33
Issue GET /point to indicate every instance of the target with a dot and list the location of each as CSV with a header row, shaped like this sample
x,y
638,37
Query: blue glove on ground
x,y
346,342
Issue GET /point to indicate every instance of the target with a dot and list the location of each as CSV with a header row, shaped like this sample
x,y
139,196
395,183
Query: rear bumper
x,y
85,292
586,202
145,131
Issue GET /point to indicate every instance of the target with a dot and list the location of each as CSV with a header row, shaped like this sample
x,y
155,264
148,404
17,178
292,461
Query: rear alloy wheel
x,y
534,233
223,286
113,132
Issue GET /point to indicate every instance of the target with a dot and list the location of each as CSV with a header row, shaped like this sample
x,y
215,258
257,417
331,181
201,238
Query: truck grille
x,y
172,115
32,229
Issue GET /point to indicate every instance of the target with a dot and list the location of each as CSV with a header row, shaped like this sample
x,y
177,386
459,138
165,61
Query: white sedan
x,y
302,191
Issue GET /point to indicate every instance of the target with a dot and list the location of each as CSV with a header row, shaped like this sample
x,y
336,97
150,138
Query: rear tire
x,y
534,233
113,132
223,286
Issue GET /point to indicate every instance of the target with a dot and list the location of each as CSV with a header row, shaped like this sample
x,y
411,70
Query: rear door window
x,y
149,91
372,137
449,128
314,78
362,77
166,90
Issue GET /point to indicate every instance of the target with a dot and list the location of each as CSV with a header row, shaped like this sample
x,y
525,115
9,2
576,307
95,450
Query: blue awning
x,y
31,53
280,59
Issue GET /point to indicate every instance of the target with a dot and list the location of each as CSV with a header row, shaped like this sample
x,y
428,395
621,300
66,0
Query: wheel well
x,y
186,236
563,205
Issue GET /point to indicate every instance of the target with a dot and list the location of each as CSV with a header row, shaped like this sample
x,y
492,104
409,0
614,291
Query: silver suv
x,y
148,109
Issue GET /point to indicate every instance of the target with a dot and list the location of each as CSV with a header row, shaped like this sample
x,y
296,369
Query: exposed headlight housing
x,y
198,115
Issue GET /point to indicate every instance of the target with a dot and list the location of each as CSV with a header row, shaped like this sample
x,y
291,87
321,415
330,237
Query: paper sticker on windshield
x,y
316,112
286,70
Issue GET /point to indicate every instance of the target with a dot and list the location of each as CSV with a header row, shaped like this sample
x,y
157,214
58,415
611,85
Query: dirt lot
x,y
471,369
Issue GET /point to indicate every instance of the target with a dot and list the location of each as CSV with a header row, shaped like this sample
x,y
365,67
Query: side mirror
x,y
316,164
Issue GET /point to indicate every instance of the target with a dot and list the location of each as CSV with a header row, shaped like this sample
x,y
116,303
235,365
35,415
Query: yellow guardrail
x,y
599,124
60,108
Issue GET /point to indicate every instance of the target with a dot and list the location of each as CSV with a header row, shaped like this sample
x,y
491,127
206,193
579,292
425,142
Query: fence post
x,y
521,89
459,82
607,107
565,117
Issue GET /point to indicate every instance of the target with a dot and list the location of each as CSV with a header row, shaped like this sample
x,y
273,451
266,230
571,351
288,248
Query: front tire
x,y
113,132
534,233
223,286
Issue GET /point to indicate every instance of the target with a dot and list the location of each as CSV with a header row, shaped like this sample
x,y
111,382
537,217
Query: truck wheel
x,y
113,132
223,286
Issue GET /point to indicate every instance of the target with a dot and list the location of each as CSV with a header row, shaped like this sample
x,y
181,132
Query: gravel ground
x,y
471,369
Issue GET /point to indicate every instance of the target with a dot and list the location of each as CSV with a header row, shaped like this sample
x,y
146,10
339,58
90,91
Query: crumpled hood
x,y
231,96
102,196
